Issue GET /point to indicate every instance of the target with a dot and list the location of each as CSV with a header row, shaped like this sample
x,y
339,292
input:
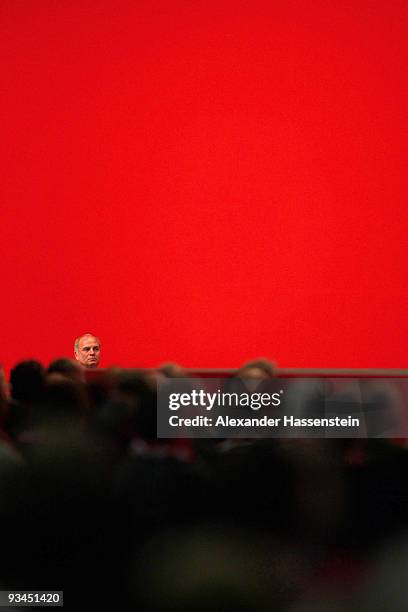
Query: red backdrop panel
x,y
205,181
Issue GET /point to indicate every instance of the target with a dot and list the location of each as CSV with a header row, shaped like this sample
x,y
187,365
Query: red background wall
x,y
205,181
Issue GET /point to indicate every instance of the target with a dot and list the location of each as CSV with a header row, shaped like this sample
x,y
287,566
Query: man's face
x,y
89,352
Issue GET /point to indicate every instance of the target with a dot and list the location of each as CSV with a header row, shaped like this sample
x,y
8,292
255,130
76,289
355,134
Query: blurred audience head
x,y
3,385
70,368
27,381
258,369
64,398
172,370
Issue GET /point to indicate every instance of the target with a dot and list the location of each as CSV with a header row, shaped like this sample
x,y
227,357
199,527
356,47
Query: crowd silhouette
x,y
92,503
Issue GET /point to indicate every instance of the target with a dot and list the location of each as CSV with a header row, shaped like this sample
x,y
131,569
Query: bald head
x,y
87,350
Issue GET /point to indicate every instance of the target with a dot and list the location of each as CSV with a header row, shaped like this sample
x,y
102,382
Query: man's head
x,y
87,350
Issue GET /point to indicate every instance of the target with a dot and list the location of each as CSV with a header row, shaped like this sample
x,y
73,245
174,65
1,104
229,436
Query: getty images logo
x,y
222,399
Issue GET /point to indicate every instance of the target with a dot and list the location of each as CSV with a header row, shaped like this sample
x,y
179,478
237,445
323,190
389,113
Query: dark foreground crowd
x,y
92,503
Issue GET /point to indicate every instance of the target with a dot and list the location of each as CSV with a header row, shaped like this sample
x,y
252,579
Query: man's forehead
x,y
88,341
